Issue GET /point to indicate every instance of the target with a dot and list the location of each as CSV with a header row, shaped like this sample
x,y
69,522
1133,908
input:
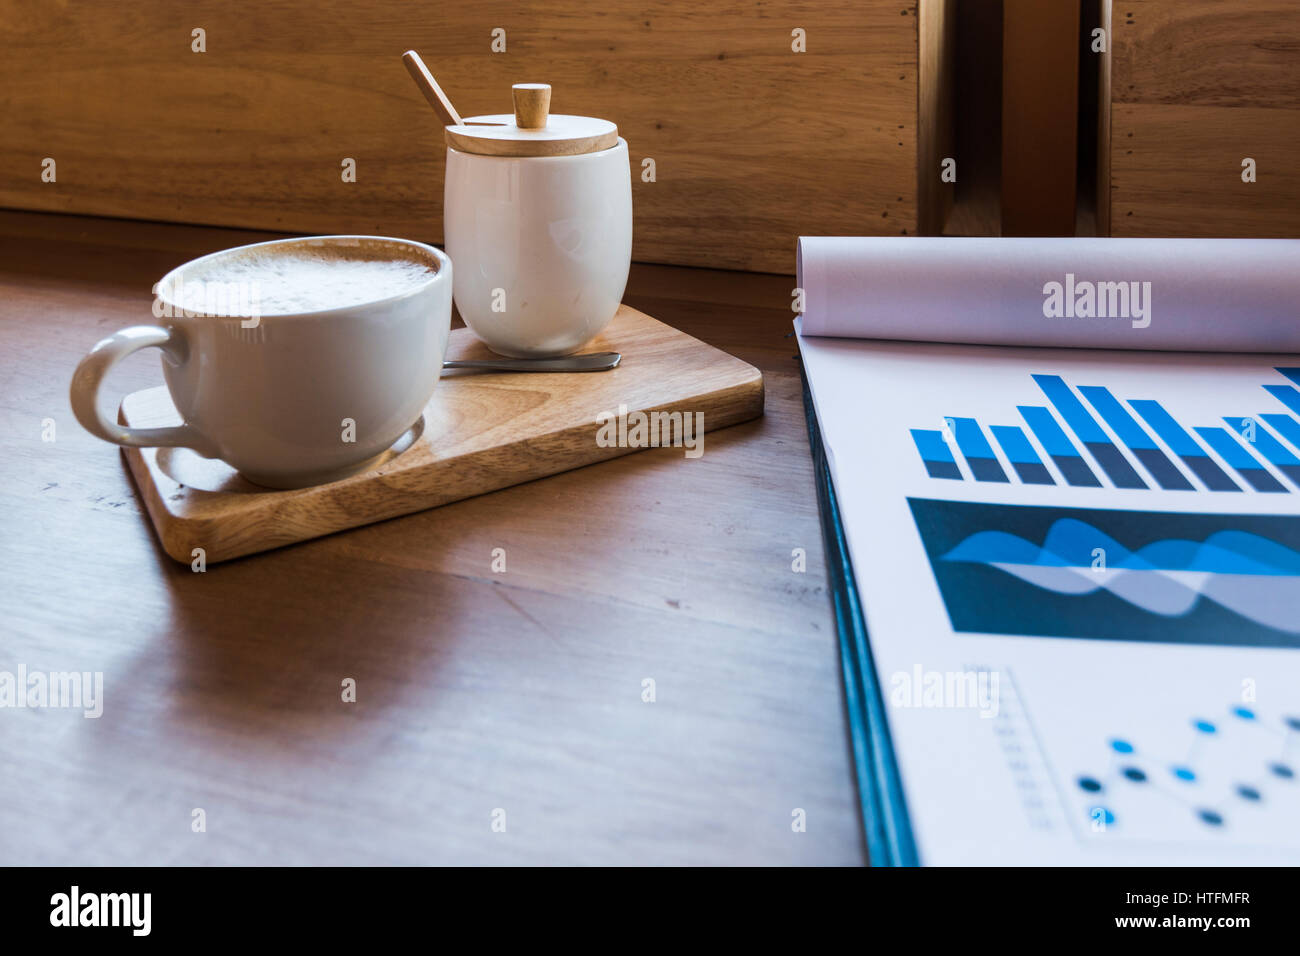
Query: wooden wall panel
x,y
1104,97
753,143
936,129
1040,115
1196,87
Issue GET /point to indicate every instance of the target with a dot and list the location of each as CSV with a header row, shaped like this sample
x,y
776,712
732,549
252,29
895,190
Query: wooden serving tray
x,y
479,433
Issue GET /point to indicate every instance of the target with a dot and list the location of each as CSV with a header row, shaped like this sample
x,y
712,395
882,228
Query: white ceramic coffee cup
x,y
542,246
288,400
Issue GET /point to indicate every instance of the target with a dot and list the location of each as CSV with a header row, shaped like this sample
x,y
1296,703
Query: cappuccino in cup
x,y
292,278
297,361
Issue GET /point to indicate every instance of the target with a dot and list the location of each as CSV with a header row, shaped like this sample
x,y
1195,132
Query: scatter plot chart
x,y
1232,778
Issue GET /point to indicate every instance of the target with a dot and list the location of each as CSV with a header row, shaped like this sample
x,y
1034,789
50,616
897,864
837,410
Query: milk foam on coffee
x,y
300,277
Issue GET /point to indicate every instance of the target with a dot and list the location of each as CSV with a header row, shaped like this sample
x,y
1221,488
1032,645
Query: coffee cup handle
x,y
90,374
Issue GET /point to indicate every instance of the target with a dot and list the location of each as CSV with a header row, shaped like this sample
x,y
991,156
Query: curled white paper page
x,y
1230,295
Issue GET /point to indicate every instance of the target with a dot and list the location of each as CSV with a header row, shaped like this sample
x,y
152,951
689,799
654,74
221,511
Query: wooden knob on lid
x,y
532,103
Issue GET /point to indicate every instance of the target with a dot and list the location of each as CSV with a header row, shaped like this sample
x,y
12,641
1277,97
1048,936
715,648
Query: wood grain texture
x,y
476,691
562,136
1198,86
532,104
479,433
753,144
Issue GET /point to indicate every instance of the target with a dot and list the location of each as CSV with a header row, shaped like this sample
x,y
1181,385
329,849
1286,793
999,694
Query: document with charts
x,y
1080,576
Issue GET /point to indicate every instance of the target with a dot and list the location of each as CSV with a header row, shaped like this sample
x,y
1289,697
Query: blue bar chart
x,y
1164,471
1112,461
1274,452
1092,438
1284,425
935,454
1058,446
1288,396
1028,466
1184,446
978,452
1241,461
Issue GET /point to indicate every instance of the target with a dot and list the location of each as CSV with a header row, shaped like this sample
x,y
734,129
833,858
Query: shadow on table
x,y
409,609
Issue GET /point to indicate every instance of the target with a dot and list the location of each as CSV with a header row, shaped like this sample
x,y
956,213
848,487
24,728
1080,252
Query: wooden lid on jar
x,y
531,130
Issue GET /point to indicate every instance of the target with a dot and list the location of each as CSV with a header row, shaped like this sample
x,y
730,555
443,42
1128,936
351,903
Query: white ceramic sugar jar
x,y
538,223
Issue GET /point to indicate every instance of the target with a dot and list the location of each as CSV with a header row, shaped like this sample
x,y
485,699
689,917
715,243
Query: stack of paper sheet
x,y
1079,570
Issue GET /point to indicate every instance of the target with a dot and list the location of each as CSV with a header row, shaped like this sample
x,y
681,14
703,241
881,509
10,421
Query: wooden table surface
x,y
477,692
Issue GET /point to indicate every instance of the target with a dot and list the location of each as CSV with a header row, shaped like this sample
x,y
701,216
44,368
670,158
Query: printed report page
x,y
1080,572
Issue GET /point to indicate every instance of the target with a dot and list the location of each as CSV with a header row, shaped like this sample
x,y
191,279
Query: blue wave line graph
x,y
1236,569
1167,577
